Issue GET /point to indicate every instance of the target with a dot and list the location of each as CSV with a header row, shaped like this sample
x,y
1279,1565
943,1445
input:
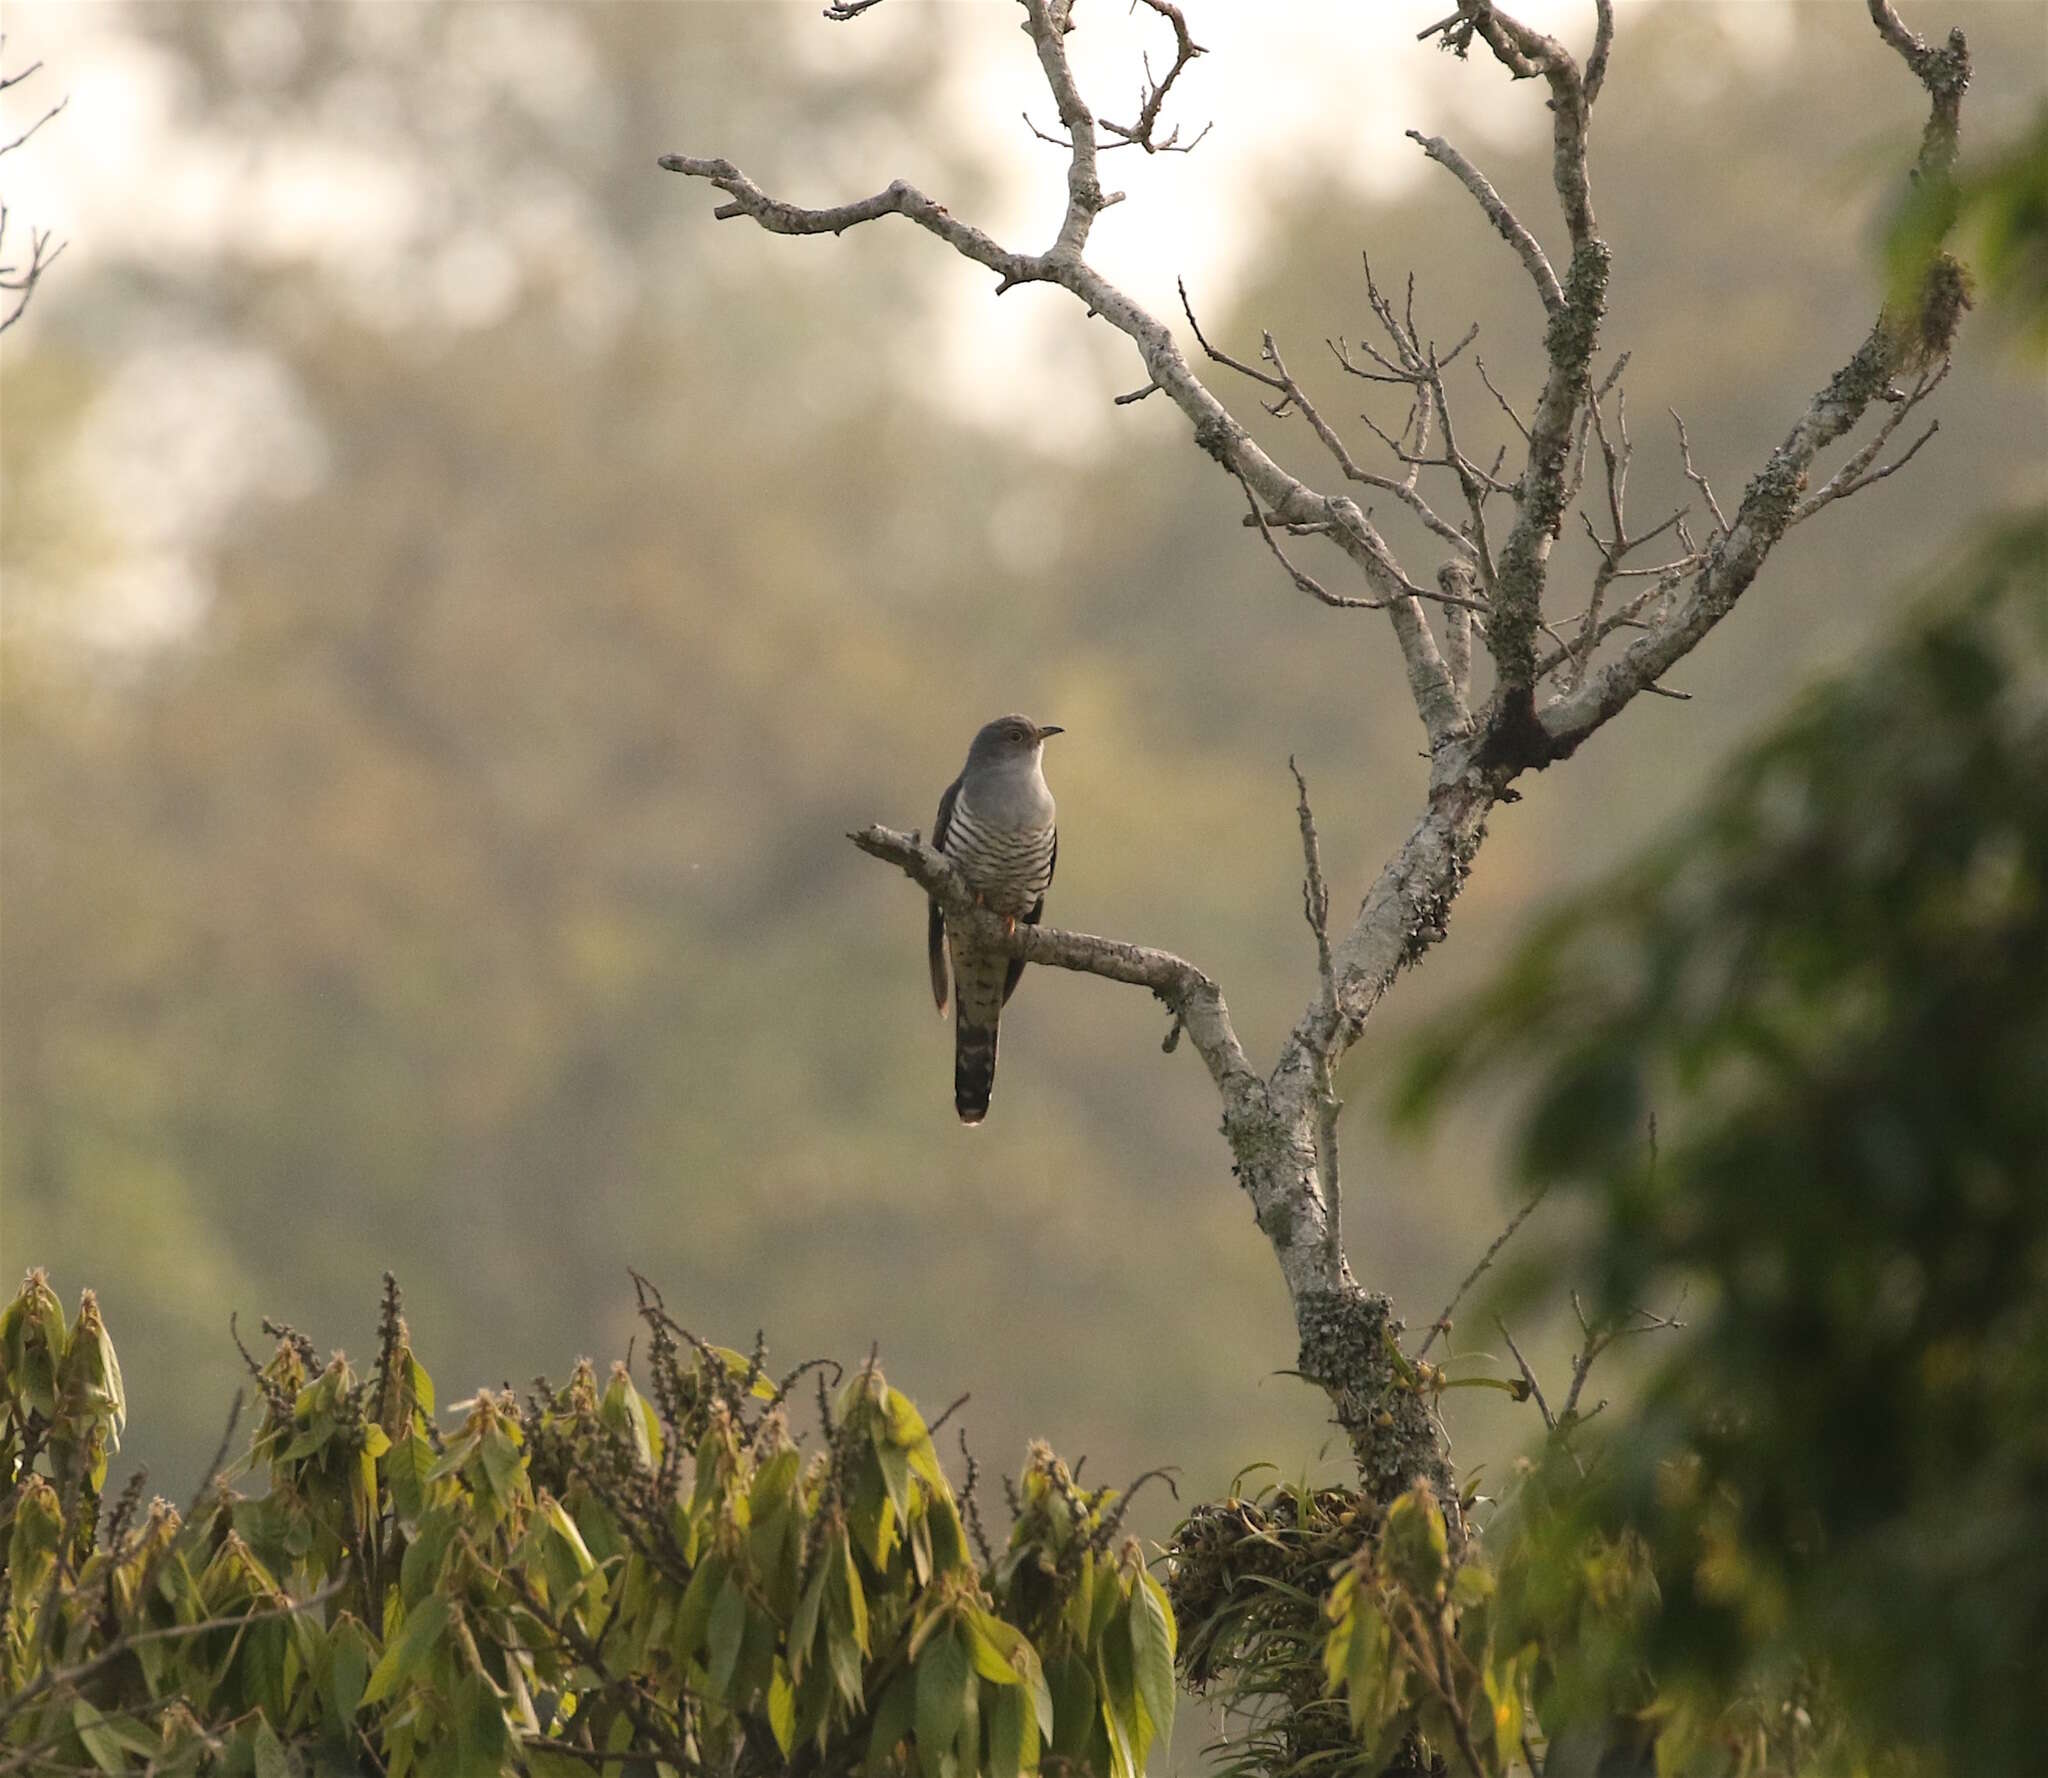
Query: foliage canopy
x,y
1831,987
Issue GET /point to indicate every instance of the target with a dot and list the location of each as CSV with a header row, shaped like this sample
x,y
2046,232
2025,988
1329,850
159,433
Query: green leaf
x,y
410,1649
905,1424
814,1695
982,1649
1414,1546
406,1467
967,1738
569,1536
348,1666
365,1490
1016,1649
1370,1686
1341,1608
100,1742
728,1628
313,1438
103,1369
773,1482
1473,1585
1012,1734
454,1455
420,1572
1120,1703
503,1464
769,1548
693,1615
782,1709
948,1537
895,1468
1080,1613
1152,1642
1109,1600
873,1523
757,1659
1504,1695
271,1760
803,1627
847,1670
944,1679
1072,1685
481,1735
856,1598
891,1721
625,1410
738,1364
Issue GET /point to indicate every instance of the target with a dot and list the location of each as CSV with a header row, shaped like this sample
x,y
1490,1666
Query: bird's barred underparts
x,y
996,826
1009,869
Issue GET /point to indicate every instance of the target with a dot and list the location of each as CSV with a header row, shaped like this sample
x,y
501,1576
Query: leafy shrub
x,y
588,1579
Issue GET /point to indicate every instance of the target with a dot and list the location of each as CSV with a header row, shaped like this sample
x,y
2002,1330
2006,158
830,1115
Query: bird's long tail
x,y
974,1068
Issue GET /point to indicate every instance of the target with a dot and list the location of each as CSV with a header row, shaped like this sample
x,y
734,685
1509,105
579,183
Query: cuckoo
x,y
995,826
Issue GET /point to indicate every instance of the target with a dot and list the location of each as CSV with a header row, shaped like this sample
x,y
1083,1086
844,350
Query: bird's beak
x,y
1049,728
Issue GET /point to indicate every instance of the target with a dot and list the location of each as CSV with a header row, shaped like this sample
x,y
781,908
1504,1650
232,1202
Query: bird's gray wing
x,y
1035,913
935,942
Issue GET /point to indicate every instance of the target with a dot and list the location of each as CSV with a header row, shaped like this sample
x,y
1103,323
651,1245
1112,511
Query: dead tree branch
x,y
1153,95
1442,1324
1189,994
1276,1123
1856,474
1504,220
20,281
1315,907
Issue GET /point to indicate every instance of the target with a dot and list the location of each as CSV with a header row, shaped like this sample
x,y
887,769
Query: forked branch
x,y
1281,1126
19,280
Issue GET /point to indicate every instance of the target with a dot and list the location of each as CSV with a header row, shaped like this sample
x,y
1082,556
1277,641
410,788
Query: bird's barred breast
x,y
1009,866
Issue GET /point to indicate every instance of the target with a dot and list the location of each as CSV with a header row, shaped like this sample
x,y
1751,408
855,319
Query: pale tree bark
x,y
1494,589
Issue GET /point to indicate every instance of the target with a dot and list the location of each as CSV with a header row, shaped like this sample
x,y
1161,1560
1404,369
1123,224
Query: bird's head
x,y
1010,740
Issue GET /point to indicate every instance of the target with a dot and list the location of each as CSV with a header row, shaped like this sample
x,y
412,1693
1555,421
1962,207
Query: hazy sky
x,y
133,170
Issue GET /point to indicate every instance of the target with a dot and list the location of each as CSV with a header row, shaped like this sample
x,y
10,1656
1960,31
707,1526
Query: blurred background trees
x,y
451,617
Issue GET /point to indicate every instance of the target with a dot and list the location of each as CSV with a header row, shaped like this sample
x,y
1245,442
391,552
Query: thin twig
x,y
1315,907
1223,358
1856,474
1694,475
1303,581
1443,1321
1153,95
1528,1376
1404,491
952,1408
1506,406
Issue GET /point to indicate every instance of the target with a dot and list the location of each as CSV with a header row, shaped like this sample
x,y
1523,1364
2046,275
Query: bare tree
x,y
1556,679
18,282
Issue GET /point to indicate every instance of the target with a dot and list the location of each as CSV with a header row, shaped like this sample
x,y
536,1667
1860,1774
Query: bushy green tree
x,y
1830,989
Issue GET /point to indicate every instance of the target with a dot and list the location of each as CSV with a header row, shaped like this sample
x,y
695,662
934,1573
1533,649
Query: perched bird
x,y
996,827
